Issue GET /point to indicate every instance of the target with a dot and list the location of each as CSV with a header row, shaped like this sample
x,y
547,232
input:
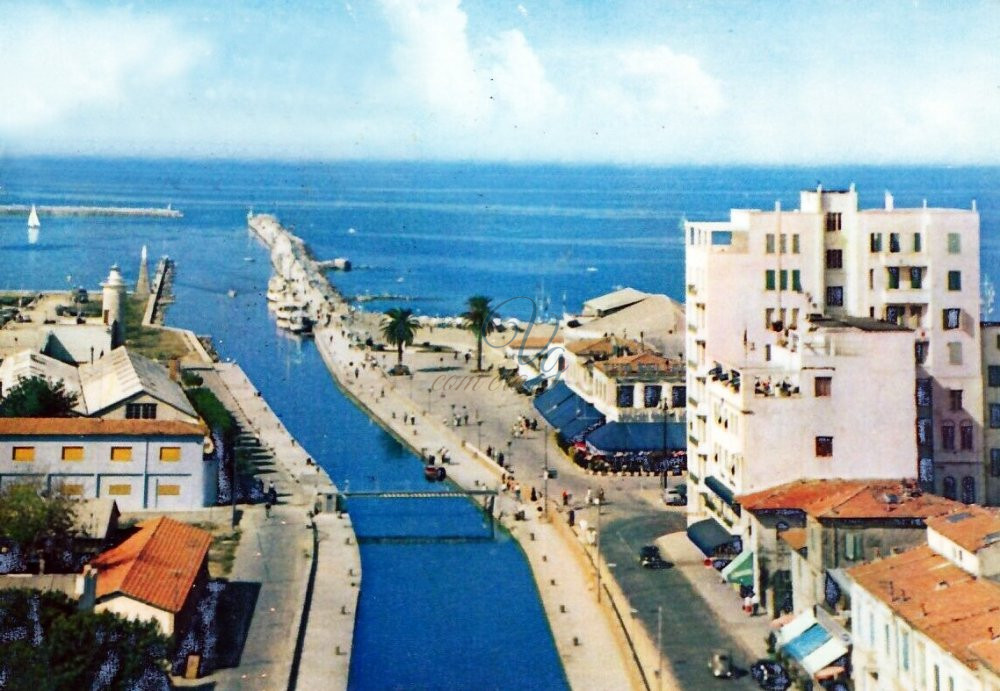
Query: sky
x,y
602,81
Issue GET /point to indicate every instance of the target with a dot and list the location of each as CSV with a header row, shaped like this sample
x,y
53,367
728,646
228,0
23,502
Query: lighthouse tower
x,y
113,306
142,285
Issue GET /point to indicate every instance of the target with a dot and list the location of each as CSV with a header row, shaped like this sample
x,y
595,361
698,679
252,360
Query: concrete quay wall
x,y
25,209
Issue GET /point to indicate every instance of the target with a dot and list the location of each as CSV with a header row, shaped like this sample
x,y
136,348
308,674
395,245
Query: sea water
x,y
432,614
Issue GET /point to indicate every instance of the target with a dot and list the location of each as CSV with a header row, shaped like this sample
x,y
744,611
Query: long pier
x,y
134,211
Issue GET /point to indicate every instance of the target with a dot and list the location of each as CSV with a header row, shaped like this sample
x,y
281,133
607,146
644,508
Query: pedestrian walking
x,y
600,496
267,509
517,491
572,518
589,496
357,372
500,458
565,498
534,495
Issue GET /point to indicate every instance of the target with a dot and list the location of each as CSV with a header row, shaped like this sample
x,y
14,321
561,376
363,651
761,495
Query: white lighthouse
x,y
113,306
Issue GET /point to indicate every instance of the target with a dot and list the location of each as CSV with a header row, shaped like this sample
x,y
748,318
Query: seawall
x,y
112,211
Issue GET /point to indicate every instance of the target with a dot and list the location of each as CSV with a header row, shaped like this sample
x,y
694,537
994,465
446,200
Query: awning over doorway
x,y
549,400
709,536
812,646
740,569
723,492
638,436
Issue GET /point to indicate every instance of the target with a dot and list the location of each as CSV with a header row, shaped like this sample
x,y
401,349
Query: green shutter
x,y
784,279
796,280
769,279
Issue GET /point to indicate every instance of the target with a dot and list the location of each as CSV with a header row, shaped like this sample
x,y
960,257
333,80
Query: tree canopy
x,y
35,523
399,328
37,397
479,320
49,643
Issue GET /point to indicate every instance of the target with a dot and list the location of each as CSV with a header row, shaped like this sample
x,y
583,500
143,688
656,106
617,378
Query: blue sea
x,y
430,235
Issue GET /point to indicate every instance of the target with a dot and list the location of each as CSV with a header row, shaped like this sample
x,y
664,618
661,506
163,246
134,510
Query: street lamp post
x,y
597,556
479,433
659,647
430,390
545,470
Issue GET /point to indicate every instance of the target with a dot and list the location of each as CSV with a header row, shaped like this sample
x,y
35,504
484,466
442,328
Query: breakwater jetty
x,y
112,211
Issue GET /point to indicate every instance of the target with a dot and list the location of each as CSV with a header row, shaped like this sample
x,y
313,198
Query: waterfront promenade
x,y
306,571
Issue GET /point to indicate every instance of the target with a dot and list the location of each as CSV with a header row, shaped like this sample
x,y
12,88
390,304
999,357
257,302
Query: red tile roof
x,y
956,610
157,565
850,499
795,537
603,346
640,363
972,527
85,427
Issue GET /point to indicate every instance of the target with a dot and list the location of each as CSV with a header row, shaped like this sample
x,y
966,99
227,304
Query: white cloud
x,y
523,10
499,80
657,80
56,64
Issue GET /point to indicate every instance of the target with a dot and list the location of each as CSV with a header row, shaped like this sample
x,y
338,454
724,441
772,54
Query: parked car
x,y
674,497
721,665
649,554
770,675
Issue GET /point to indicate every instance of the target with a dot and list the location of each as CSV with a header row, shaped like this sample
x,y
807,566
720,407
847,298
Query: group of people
x,y
523,424
460,417
442,454
495,455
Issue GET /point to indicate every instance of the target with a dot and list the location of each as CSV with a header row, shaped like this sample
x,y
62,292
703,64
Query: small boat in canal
x,y
434,473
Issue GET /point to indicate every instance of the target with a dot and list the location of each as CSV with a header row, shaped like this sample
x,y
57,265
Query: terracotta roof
x,y
538,341
951,607
795,537
157,565
850,499
602,346
988,651
85,426
640,363
971,527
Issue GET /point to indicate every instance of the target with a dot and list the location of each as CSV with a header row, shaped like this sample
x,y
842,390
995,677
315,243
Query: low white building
x,y
656,321
141,464
929,618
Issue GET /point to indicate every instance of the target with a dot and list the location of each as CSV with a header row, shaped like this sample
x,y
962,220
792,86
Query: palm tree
x,y
399,328
478,320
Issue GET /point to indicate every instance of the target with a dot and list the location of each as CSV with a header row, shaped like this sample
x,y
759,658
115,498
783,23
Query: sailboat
x,y
33,221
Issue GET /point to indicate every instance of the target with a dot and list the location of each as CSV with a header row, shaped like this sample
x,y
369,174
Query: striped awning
x,y
740,569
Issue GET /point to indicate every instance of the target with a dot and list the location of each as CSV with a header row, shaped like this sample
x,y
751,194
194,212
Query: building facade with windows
x,y
756,284
991,409
929,618
141,464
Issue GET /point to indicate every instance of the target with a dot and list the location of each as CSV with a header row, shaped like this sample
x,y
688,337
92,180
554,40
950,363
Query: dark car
x,y
770,675
649,554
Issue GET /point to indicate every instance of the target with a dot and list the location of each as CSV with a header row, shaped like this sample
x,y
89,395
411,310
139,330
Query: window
x,y
954,243
916,277
968,489
768,317
893,272
23,454
904,647
951,317
783,279
954,353
833,222
651,395
955,399
835,296
924,392
824,446
168,490
916,242
782,244
823,386
871,279
795,243
769,243
954,280
924,432
993,375
948,488
834,259
894,313
948,436
119,490
875,242
121,453
140,411
796,280
71,490
920,350
769,279
173,453
678,394
965,436
994,415
72,453
853,546
994,462
893,242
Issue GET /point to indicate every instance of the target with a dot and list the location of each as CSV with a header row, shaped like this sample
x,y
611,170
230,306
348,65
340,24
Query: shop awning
x,y
569,410
586,419
812,646
723,492
740,569
550,399
638,436
709,536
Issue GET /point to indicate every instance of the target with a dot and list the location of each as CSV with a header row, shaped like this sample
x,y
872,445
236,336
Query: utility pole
x,y
659,647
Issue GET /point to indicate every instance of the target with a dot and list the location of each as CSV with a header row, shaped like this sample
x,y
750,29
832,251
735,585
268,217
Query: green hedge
x,y
212,411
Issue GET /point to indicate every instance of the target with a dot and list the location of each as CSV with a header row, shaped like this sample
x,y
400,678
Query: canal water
x,y
433,613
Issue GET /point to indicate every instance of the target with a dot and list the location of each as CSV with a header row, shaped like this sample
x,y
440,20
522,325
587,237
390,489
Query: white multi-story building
x,y
141,464
991,411
897,346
